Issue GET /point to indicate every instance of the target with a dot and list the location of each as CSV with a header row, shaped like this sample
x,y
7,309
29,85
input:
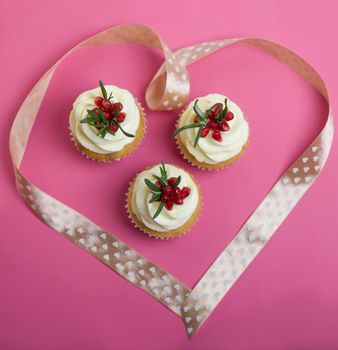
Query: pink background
x,y
53,295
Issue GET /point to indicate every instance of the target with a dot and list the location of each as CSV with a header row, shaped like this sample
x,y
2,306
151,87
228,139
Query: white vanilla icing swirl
x,y
168,219
209,150
87,134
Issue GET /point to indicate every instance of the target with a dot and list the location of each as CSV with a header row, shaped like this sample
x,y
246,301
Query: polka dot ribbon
x,y
169,90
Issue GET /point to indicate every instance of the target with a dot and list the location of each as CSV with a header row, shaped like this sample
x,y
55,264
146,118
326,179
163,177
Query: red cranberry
x,y
178,200
224,126
216,135
205,131
185,191
168,205
164,197
166,193
96,111
113,128
107,115
99,100
116,106
217,108
211,115
213,125
106,106
229,116
171,181
176,192
166,189
158,183
121,117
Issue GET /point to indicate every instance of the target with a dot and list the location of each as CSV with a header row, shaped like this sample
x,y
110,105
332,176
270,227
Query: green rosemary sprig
x,y
163,171
177,182
159,209
103,90
202,118
123,131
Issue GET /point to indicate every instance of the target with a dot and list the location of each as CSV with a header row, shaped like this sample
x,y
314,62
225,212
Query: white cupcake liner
x,y
124,156
197,165
145,231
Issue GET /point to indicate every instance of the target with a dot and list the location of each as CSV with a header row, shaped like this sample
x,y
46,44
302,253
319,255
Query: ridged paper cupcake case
x,y
191,162
142,229
108,161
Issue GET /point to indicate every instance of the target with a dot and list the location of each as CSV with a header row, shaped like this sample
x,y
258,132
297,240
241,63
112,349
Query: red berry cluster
x,y
109,110
172,194
166,191
214,119
107,116
215,126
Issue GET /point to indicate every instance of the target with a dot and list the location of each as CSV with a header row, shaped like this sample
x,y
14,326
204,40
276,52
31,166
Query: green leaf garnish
x,y
103,90
102,117
163,171
219,115
225,111
198,110
93,115
198,135
155,198
185,127
102,133
87,120
124,132
159,209
151,185
177,182
163,181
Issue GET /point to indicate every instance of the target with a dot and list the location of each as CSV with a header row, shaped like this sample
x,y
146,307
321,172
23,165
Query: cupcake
x,y
106,123
164,201
212,132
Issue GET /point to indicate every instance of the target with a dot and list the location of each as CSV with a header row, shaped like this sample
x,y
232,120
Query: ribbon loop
x,y
170,87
